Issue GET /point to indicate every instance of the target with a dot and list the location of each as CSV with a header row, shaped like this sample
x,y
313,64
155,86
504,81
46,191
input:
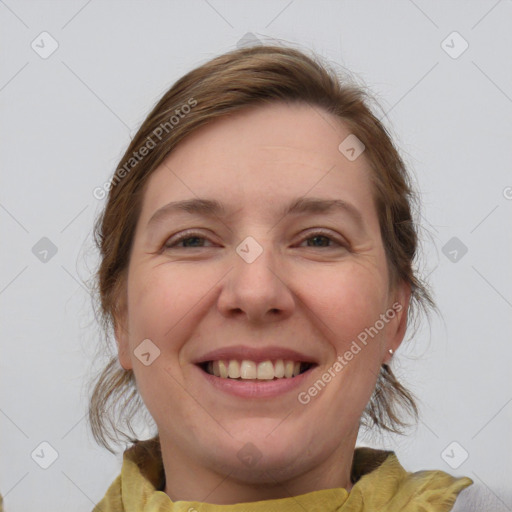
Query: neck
x,y
189,480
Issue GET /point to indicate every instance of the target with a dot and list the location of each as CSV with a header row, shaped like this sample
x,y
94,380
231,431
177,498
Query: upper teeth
x,y
266,370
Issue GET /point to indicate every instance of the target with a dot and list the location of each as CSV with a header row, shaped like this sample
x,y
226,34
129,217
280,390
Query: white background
x,y
67,119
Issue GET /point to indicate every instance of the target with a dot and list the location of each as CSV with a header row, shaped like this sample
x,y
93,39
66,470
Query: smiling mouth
x,y
256,371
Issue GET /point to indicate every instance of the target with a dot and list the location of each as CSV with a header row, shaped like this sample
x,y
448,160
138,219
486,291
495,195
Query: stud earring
x,y
390,351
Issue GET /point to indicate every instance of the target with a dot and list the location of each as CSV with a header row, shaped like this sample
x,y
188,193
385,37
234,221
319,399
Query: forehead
x,y
259,158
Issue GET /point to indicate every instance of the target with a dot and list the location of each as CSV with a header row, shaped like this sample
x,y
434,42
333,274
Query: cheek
x,y
161,303
158,298
347,301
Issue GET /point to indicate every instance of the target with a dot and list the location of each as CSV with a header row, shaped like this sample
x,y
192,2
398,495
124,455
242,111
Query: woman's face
x,y
272,274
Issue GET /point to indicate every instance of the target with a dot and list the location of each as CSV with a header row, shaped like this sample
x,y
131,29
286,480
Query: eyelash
x,y
171,243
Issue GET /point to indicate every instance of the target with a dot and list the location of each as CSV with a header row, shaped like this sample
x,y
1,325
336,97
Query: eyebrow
x,y
213,208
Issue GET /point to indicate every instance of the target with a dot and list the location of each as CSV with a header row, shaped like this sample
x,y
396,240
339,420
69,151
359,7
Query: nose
x,y
257,291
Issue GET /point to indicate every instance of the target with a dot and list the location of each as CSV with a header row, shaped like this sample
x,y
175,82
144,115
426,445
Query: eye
x,y
189,239
194,240
321,239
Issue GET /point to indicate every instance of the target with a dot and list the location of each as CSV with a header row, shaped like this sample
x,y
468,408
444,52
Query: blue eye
x,y
190,240
323,240
194,240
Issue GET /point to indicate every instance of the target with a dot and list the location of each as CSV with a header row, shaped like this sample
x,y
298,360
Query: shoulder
x,y
390,488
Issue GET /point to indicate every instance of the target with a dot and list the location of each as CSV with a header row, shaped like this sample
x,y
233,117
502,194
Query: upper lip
x,y
241,352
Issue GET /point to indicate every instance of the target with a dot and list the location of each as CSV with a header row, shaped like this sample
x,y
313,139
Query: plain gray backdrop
x,y
77,79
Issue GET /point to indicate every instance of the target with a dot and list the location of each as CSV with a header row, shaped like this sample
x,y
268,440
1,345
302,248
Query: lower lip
x,y
256,389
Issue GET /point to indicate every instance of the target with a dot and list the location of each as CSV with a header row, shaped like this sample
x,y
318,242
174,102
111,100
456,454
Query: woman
x,y
256,268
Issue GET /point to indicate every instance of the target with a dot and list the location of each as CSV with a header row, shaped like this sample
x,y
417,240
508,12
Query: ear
x,y
123,346
121,332
398,325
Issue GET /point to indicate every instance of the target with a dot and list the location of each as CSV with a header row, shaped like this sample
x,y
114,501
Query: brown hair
x,y
227,84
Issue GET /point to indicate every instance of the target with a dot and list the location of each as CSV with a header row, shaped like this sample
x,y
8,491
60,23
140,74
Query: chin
x,y
266,450
262,467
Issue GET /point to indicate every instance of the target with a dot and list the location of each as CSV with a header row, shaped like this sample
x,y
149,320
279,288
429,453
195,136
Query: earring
x,y
390,351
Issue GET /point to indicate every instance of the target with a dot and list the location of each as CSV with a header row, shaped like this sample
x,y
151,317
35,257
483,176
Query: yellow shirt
x,y
381,484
